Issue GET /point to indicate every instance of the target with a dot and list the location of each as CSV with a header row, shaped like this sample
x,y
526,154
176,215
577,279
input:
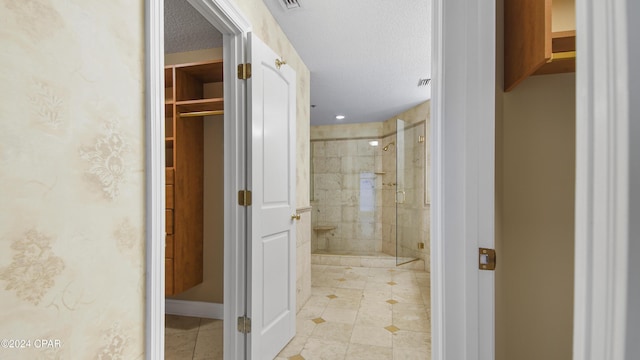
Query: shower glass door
x,y
407,224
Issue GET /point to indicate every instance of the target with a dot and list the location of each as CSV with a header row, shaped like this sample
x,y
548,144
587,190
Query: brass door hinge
x,y
487,259
244,198
244,71
244,324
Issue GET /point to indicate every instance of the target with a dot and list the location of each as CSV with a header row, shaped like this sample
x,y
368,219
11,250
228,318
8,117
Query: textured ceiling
x,y
186,30
365,56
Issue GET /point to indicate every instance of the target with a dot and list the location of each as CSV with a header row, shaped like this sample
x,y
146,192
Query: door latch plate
x,y
486,259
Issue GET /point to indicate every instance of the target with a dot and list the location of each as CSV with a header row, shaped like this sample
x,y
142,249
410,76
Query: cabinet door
x,y
527,39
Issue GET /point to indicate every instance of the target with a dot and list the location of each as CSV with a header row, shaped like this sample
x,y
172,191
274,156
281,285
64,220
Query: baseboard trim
x,y
194,309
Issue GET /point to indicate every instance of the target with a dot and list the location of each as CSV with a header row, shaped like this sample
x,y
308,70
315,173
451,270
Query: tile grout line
x,y
195,343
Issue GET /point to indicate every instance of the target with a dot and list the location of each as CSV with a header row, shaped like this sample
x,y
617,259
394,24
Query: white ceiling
x,y
365,56
186,30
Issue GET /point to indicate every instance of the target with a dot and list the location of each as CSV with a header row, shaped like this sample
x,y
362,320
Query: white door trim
x,y
602,180
155,181
224,15
463,118
234,27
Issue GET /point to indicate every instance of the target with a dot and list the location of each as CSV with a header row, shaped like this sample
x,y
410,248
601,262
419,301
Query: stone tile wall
x,y
344,164
347,199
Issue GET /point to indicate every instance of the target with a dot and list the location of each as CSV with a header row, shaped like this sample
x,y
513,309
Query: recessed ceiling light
x,y
339,117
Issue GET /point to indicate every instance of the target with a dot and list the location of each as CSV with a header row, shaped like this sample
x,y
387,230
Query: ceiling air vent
x,y
290,4
423,82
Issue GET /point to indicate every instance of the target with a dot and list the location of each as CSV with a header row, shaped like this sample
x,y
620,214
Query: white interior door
x,y
271,262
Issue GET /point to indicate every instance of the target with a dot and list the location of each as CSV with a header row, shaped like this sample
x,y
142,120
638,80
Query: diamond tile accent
x,y
364,320
391,328
342,279
318,320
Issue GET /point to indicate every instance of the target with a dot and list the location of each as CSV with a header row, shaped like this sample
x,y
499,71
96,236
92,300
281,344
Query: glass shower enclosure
x,y
411,215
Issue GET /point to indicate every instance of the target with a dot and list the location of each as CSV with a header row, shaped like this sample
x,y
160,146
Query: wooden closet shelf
x,y
563,54
562,41
205,71
191,90
188,106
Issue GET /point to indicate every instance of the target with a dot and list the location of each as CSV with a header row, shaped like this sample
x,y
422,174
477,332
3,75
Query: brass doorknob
x,y
295,217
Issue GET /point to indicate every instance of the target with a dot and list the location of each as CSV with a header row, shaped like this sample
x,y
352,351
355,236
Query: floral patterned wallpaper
x,y
72,175
72,179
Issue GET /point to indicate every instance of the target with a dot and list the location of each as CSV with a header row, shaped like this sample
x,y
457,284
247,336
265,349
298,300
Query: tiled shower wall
x,y
347,213
345,166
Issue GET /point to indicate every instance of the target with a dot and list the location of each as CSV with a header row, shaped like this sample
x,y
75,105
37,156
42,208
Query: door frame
x,y
462,178
449,264
464,83
603,158
225,17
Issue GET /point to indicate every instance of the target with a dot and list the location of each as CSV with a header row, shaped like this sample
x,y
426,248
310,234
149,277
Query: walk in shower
x,y
370,192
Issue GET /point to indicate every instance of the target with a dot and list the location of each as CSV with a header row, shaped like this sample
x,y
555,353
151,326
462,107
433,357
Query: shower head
x,y
387,147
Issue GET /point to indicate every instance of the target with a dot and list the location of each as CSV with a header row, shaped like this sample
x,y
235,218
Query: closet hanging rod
x,y
201,113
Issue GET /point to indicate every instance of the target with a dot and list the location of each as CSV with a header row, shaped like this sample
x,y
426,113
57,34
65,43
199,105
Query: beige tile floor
x,y
192,338
364,313
353,313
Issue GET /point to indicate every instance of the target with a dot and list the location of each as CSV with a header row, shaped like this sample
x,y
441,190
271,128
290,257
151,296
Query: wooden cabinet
x,y
539,38
185,108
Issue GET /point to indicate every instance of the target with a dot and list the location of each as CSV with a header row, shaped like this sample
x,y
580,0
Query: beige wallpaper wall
x,y
72,175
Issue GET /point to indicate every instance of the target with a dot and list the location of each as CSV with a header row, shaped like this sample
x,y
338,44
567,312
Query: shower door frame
x,y
402,187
